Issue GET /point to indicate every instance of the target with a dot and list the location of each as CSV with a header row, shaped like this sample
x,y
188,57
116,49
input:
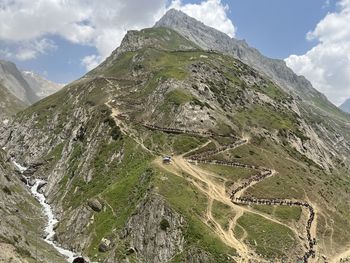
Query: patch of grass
x,y
230,173
269,239
288,213
285,213
238,232
222,213
208,147
184,143
192,204
265,117
178,97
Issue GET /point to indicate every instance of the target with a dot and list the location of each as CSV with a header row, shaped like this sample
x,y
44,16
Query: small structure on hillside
x,y
167,159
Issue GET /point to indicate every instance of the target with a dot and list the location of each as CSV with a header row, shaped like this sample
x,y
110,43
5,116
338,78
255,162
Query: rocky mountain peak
x,y
209,38
12,79
41,86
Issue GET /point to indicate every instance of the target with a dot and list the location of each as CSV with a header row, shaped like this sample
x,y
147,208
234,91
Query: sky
x,y
63,39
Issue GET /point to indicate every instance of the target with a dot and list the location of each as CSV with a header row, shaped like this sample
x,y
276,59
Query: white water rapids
x,y
52,221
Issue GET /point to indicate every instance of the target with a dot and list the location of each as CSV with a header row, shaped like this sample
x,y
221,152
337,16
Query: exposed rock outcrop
x,y
152,241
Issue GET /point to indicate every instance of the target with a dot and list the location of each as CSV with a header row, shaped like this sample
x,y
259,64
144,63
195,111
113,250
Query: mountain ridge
x,y
231,132
209,38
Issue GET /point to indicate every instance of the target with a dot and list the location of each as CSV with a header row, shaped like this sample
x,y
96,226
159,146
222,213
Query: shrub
x,y
164,224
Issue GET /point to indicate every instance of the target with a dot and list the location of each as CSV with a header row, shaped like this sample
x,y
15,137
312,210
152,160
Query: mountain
x,y
9,104
211,39
12,79
41,86
21,223
168,152
21,89
345,106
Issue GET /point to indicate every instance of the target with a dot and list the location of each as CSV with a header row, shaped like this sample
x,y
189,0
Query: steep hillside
x,y
21,224
211,39
42,87
255,175
9,104
12,79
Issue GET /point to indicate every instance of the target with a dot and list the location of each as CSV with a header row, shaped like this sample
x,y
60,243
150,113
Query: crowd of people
x,y
205,157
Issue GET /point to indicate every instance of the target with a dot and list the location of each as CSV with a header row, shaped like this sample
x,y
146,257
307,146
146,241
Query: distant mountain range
x,y
345,106
20,89
41,86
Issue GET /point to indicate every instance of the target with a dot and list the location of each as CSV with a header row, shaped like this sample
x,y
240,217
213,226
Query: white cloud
x,y
211,12
91,62
327,65
100,24
32,49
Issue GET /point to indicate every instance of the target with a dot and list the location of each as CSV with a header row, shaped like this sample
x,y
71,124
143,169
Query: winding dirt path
x,y
217,191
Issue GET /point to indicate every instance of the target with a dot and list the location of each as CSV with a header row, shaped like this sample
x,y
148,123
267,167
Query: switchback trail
x,y
216,191
236,195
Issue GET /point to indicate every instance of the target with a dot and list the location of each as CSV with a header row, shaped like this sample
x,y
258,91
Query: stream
x,y
51,220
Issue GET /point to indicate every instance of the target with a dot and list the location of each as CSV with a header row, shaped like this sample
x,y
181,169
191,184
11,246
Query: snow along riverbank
x,y
52,221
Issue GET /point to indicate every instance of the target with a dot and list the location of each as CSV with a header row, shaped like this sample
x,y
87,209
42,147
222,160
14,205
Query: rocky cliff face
x,y
21,228
20,89
9,105
42,87
99,141
211,39
12,79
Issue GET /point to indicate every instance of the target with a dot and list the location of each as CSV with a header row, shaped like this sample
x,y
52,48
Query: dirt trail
x,y
342,257
125,128
218,192
215,190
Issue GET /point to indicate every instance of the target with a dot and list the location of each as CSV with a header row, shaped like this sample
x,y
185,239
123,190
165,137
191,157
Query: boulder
x,y
95,205
79,260
105,245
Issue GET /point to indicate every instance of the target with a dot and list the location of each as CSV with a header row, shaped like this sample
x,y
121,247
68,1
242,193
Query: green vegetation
x,y
265,117
184,143
230,173
288,213
164,224
192,204
285,213
9,103
269,239
223,213
178,97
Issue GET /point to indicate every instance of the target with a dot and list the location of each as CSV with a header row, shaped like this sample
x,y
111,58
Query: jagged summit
x,y
209,38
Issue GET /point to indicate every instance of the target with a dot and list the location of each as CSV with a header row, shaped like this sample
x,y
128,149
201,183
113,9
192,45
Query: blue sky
x,y
277,28
61,41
